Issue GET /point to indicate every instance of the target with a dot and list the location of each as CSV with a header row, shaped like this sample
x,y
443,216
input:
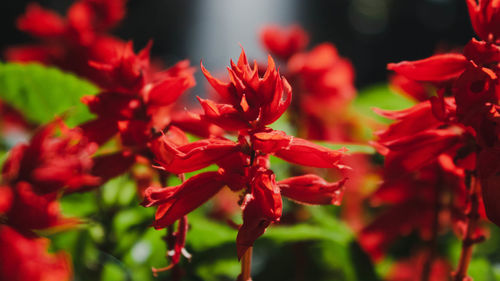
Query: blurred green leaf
x,y
305,232
379,96
480,270
216,269
206,233
118,191
41,92
113,272
79,204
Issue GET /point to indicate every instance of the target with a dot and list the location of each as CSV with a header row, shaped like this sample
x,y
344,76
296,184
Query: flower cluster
x,y
72,41
34,177
321,109
448,144
249,102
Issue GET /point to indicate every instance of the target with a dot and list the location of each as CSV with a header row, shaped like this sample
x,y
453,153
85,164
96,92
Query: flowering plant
x,y
92,129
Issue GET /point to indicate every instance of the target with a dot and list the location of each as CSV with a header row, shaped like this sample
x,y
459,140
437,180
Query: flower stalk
x,y
469,239
246,266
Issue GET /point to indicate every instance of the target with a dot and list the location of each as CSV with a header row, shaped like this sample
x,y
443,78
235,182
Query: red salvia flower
x,y
485,19
284,42
456,133
37,173
138,104
250,102
24,257
71,42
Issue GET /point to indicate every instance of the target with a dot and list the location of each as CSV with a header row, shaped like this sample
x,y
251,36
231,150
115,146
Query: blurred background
x,y
370,33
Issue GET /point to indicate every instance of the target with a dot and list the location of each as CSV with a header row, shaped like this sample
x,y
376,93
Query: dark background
x,y
369,32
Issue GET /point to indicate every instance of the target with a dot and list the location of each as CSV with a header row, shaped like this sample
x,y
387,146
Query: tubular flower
x,y
249,101
136,101
52,163
450,143
283,42
324,87
138,104
71,42
25,258
471,80
37,173
485,19
250,104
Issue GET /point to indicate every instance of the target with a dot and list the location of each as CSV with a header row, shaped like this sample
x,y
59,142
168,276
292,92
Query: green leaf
x,y
480,270
206,233
41,92
379,96
304,232
218,268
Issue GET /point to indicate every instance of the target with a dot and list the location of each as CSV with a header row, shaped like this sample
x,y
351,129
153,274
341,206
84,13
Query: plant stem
x,y
426,271
246,266
469,240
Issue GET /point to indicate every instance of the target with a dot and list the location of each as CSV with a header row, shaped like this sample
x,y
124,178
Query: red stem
x,y
469,240
246,266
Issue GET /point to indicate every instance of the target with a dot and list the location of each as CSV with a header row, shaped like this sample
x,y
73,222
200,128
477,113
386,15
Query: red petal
x,y
262,207
177,201
413,152
311,189
193,156
437,68
410,121
99,130
134,132
109,166
41,22
192,123
29,53
279,104
223,115
297,150
168,90
225,90
27,258
6,197
284,41
489,176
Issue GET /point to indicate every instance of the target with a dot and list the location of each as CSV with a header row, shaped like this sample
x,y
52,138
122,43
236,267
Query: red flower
x,y
24,258
137,100
249,101
192,156
175,202
485,19
52,163
71,42
261,207
41,22
284,42
311,189
324,87
37,174
489,171
413,268
438,68
412,204
296,150
5,199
